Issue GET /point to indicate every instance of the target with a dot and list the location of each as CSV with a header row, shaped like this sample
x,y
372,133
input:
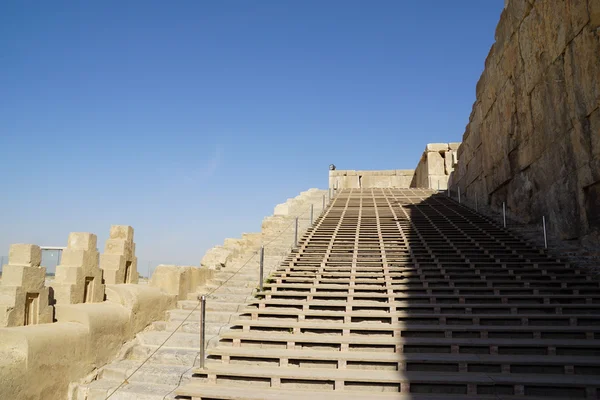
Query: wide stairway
x,y
406,294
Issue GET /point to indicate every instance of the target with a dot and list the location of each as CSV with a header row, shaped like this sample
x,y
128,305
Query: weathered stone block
x,y
594,9
123,232
216,258
79,257
25,254
435,163
112,261
29,277
118,246
68,274
82,241
432,147
582,74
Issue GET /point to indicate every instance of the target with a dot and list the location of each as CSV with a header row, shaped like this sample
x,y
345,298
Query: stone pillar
x,y
23,295
119,263
78,278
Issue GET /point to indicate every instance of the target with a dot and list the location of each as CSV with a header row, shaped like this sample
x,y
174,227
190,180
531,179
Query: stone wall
x,y
51,336
435,166
235,252
533,137
39,361
350,179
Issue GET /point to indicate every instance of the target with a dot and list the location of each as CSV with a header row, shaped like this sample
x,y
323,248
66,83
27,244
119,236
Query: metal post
x,y
459,195
504,213
202,330
261,263
311,214
296,233
329,194
545,237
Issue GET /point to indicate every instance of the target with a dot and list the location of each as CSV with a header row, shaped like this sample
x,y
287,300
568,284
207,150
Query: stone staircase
x,y
162,357
405,294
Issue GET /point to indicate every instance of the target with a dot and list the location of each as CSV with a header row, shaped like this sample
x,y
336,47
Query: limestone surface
x,y
436,166
533,137
118,262
78,278
351,179
23,295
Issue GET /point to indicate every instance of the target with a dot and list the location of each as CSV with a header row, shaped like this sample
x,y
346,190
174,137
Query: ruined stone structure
x,y
118,262
533,138
346,179
23,295
433,171
41,355
389,290
78,278
435,166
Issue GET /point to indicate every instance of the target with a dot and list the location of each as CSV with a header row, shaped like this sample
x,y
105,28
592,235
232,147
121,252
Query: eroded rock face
x,y
533,138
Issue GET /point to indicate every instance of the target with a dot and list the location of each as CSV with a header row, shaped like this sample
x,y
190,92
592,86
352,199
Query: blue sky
x,y
191,120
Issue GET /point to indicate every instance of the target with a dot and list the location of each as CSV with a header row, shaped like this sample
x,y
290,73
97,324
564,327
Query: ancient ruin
x,y
118,262
78,278
23,295
388,285
533,139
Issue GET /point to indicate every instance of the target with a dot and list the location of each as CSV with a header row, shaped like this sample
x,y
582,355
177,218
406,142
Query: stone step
x,y
482,322
177,315
194,327
186,327
239,298
388,313
441,300
422,341
156,374
185,357
178,340
237,287
248,392
467,363
101,389
210,306
349,379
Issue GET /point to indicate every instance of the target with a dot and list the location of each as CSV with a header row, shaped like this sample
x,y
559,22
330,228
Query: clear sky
x,y
191,120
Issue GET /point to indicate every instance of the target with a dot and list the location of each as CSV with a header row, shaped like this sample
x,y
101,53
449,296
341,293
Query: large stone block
x,y
432,147
550,108
77,257
216,258
82,241
123,232
435,164
68,274
582,74
118,246
112,261
25,254
26,276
